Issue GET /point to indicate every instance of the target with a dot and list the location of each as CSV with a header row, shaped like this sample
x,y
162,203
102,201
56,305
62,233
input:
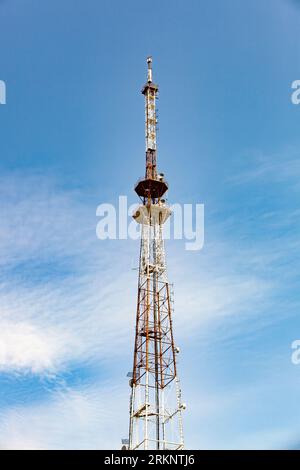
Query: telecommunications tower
x,y
155,402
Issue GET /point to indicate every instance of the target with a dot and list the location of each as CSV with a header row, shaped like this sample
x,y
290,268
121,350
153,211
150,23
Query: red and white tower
x,y
155,402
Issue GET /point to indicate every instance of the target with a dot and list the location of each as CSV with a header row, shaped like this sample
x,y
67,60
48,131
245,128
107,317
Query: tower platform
x,y
152,188
152,215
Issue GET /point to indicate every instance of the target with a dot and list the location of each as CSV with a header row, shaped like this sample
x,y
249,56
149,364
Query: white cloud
x,y
73,419
25,347
86,312
70,313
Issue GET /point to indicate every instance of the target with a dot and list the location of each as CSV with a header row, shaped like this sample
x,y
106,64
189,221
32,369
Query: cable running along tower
x,y
155,402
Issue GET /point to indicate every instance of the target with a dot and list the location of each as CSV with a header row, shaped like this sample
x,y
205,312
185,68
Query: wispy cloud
x,y
66,298
59,291
67,291
70,419
24,347
263,168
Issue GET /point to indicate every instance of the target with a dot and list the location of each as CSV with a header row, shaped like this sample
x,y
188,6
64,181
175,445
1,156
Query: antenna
x,y
155,402
149,62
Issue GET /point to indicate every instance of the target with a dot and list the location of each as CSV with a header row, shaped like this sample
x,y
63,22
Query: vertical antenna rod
x,y
149,62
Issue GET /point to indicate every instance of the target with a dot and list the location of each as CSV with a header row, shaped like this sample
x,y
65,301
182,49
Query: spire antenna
x,y
152,187
149,62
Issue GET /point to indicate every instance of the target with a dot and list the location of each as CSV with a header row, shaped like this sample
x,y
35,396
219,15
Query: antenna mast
x,y
155,402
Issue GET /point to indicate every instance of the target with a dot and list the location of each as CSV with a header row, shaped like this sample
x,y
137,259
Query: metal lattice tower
x,y
155,402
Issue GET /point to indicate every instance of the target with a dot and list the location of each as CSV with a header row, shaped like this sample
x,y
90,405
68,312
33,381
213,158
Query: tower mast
x,y
155,402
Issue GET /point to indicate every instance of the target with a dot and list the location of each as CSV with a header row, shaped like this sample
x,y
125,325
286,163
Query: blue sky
x,y
72,137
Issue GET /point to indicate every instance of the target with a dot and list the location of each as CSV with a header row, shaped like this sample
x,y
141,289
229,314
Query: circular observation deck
x,y
152,188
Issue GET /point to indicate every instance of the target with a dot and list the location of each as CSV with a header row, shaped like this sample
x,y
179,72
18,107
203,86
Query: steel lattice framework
x,y
155,402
